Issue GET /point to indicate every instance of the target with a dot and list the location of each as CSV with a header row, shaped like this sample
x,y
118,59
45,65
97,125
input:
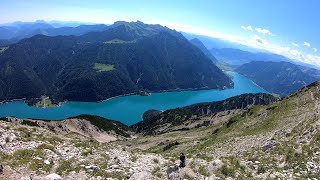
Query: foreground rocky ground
x,y
277,141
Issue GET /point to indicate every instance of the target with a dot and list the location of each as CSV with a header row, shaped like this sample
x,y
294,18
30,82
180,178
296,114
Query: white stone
x,y
115,166
38,158
53,176
25,178
91,167
47,162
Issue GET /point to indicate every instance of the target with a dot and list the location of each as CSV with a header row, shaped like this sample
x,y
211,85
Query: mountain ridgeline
x,y
13,33
161,122
203,48
237,57
125,58
282,78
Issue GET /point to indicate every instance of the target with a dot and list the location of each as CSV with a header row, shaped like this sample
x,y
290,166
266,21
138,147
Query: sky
x,y
287,27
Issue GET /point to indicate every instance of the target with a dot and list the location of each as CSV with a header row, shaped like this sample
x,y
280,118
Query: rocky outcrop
x,y
99,128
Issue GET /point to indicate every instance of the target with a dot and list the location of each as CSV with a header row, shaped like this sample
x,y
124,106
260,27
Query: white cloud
x,y
306,44
296,45
247,28
254,41
263,31
314,49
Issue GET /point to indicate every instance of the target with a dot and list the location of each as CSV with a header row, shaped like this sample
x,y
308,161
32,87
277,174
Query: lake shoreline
x,y
124,95
129,108
134,93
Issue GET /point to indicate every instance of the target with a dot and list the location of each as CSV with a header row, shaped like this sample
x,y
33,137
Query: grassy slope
x,y
106,125
287,122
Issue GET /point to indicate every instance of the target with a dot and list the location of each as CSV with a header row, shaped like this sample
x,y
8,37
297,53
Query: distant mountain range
x,y
216,43
238,57
114,60
281,78
14,32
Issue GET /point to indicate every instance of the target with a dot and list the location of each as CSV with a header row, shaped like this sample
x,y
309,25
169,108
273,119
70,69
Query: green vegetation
x,y
106,125
4,119
7,139
179,115
87,153
203,170
170,145
29,123
54,140
66,166
271,76
70,71
103,67
2,49
32,159
227,171
46,146
156,161
119,41
133,158
261,169
156,172
225,67
45,103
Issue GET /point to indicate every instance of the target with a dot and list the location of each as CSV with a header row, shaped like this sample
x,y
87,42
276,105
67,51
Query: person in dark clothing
x,y
182,160
1,169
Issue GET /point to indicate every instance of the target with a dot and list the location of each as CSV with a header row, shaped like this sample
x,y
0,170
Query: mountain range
x,y
282,78
123,59
17,31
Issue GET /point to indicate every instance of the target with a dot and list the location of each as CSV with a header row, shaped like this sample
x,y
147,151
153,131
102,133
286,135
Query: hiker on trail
x,y
1,169
182,160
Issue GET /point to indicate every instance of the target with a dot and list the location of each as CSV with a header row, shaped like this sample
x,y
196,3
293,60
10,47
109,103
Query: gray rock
x,y
269,146
173,173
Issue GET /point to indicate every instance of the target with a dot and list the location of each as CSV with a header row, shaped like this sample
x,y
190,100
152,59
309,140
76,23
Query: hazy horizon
x,y
287,28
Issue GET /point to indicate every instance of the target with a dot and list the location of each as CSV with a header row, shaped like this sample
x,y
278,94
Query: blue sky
x,y
287,27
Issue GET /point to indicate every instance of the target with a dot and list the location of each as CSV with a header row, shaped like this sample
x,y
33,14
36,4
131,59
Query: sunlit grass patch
x,y
103,67
119,41
2,49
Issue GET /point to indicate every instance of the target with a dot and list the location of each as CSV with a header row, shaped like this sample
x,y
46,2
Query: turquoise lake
x,y
129,109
